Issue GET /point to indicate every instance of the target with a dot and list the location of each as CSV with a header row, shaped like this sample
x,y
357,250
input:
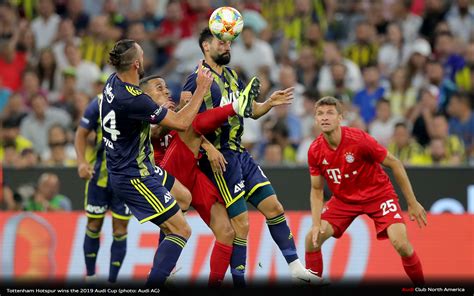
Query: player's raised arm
x,y
316,199
279,97
182,120
415,209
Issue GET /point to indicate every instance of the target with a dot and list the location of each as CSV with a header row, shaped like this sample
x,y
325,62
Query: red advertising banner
x,y
49,245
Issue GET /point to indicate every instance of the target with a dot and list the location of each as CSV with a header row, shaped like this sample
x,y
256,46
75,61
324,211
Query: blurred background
x,y
403,69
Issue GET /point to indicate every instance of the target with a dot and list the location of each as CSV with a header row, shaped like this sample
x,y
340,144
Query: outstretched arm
x,y
415,209
279,97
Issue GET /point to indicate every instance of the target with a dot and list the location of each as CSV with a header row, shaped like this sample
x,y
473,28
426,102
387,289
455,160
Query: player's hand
x,y
282,97
85,171
204,76
216,159
418,213
315,229
169,105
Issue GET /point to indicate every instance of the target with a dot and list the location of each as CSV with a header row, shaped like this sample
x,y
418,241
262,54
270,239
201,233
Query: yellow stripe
x,y
224,184
158,214
145,191
165,177
134,182
121,217
150,194
221,189
92,234
95,216
86,192
256,187
176,240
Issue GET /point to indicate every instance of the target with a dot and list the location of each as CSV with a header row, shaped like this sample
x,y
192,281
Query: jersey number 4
x,y
388,206
110,125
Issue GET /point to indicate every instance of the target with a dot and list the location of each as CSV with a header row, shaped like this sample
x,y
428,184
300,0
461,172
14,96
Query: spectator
x,y
302,151
287,78
452,143
420,51
281,137
79,104
445,53
75,12
86,72
272,156
307,118
382,127
341,90
423,113
15,107
461,19
10,137
314,40
393,52
66,34
68,90
364,50
332,55
252,54
46,197
11,200
367,98
35,126
307,68
401,94
409,22
462,122
149,17
60,152
4,95
97,42
136,31
402,145
434,155
12,62
48,73
435,76
435,12
30,86
45,26
464,78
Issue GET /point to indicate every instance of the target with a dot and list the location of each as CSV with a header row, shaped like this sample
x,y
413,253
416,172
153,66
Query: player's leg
x,y
177,190
120,217
95,205
335,218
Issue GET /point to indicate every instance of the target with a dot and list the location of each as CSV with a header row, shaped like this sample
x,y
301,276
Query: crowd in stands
x,y
403,69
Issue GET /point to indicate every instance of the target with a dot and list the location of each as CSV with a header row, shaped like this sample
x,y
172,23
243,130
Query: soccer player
x,y
349,160
99,196
243,180
178,154
126,113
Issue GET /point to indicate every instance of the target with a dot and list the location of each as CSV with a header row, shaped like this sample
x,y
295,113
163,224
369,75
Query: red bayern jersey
x,y
160,145
352,171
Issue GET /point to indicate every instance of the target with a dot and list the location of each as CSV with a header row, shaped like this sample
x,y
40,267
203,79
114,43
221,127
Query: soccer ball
x,y
226,23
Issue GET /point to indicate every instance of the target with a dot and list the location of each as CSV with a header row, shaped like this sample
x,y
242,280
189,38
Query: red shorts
x,y
383,211
180,162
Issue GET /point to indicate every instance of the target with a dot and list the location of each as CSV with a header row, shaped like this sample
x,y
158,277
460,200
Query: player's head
x,y
155,86
328,114
127,55
213,48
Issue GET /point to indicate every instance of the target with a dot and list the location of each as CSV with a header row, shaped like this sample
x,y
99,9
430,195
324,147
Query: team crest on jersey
x,y
349,157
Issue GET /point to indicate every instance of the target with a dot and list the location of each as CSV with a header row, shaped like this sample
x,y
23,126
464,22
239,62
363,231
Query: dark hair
x,y
329,101
123,54
401,124
144,81
382,101
462,97
205,35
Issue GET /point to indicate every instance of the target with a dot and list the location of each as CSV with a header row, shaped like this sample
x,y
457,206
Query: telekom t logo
x,y
335,175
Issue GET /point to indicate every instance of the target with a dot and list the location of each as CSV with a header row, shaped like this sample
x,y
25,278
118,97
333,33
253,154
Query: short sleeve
x,y
313,165
143,108
190,83
373,150
90,118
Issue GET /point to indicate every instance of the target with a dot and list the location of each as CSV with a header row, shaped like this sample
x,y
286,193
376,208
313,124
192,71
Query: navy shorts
x,y
242,181
99,199
165,178
146,197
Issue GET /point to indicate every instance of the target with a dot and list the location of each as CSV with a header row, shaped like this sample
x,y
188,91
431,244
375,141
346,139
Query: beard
x,y
222,59
141,71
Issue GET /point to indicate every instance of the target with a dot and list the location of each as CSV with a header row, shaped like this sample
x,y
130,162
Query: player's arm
x,y
87,125
316,200
182,120
279,97
415,209
216,159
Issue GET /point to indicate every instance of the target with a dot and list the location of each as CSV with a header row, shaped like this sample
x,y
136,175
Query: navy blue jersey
x,y
224,90
91,121
126,113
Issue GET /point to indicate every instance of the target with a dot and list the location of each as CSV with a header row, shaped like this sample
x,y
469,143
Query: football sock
x,y
165,259
237,262
117,254
314,261
220,260
283,237
91,247
212,119
413,268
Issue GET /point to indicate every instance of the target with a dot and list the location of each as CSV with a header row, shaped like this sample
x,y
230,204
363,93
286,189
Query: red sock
x,y
412,266
314,261
220,260
210,120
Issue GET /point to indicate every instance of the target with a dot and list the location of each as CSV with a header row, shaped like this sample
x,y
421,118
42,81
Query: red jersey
x,y
352,171
160,145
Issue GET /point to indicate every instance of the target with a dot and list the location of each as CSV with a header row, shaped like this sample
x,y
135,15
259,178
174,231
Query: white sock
x,y
296,267
235,106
